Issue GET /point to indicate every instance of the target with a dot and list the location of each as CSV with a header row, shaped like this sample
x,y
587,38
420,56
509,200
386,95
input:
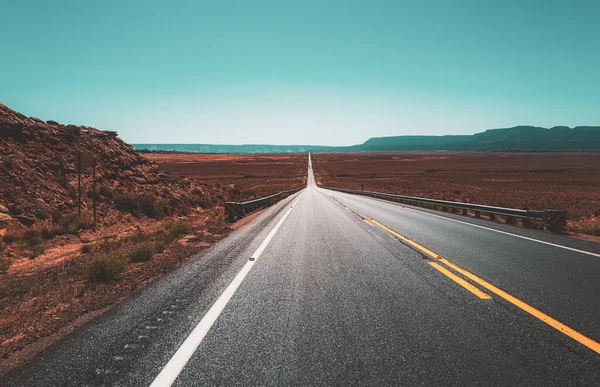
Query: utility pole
x,y
94,184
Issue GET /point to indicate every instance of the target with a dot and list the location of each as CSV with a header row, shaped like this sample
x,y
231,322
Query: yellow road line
x,y
367,222
405,239
591,344
347,208
460,281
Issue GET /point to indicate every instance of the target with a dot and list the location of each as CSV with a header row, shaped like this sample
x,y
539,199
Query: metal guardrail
x,y
553,220
237,210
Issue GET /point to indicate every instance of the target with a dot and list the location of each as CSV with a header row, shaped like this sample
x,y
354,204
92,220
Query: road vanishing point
x,y
327,288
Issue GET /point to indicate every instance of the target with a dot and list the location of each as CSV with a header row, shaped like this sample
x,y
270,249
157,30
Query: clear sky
x,y
331,72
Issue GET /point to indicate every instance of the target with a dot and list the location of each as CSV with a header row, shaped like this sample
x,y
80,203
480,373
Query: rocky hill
x,y
38,179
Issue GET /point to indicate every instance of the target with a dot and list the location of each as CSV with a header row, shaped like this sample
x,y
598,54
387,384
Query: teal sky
x,y
332,72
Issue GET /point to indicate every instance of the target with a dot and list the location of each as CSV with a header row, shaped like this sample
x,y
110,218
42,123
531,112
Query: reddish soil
x,y
569,181
248,176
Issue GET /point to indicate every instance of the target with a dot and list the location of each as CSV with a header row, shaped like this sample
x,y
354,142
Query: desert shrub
x,y
91,194
105,191
50,232
17,286
13,234
36,252
9,163
108,245
4,265
203,202
32,236
85,249
128,203
105,267
141,253
590,228
137,237
72,223
42,214
177,228
149,206
159,246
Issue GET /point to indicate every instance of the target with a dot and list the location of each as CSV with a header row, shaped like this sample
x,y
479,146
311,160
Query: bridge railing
x,y
237,210
554,220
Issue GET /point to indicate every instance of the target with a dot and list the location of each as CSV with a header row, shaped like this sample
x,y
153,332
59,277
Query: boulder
x,y
25,220
5,220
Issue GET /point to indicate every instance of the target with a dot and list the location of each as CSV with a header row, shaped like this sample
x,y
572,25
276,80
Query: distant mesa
x,y
518,138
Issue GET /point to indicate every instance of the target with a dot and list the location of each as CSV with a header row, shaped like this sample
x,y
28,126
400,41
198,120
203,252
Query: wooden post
x,y
94,184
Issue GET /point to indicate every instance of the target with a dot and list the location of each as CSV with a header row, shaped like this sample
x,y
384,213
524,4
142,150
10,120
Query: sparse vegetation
x,y
72,223
17,286
4,265
149,206
86,249
591,227
159,246
177,228
128,203
36,252
32,236
13,234
105,267
105,191
8,163
142,252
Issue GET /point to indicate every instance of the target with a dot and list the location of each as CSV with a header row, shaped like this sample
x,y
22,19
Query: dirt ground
x,y
569,181
253,175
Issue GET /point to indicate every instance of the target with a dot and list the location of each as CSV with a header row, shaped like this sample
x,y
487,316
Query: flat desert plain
x,y
569,181
250,176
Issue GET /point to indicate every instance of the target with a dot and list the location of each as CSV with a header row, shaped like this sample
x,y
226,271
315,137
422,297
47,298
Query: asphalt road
x,y
339,293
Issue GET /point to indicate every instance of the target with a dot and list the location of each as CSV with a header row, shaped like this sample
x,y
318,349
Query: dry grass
x,y
245,176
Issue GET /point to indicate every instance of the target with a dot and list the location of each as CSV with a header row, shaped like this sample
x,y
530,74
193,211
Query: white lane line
x,y
491,229
511,234
173,368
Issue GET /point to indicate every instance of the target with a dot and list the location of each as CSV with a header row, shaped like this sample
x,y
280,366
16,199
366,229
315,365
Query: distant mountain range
x,y
525,138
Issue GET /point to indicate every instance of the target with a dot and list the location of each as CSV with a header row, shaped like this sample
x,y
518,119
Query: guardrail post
x,y
454,210
478,214
510,220
465,211
492,216
555,220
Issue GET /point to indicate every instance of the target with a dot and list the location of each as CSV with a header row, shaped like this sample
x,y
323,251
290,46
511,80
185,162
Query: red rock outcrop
x,y
38,179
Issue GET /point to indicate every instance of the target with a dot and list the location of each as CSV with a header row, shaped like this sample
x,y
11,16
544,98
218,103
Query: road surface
x,y
326,288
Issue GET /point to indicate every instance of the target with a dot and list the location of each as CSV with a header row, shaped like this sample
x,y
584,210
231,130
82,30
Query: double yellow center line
x,y
591,344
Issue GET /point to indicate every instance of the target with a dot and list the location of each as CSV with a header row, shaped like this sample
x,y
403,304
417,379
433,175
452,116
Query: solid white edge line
x,y
490,229
173,368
